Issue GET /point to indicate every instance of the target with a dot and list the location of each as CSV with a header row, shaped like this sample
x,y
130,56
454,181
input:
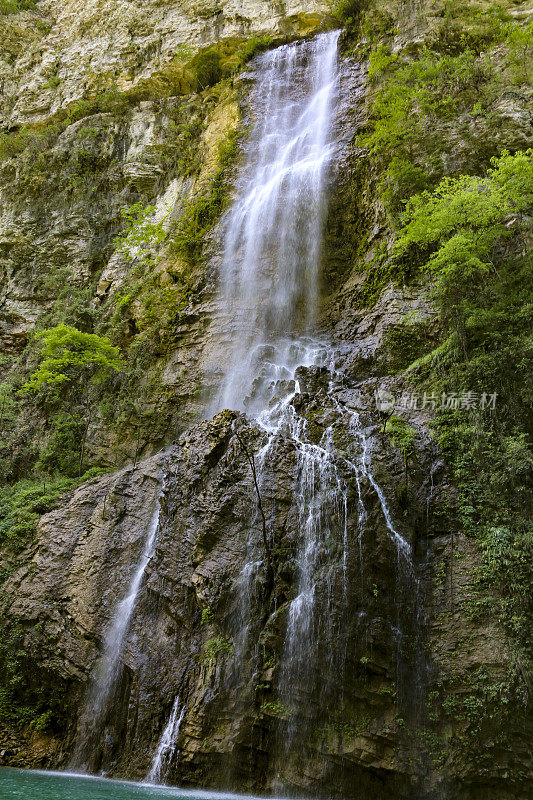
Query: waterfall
x,y
167,744
269,286
107,669
272,234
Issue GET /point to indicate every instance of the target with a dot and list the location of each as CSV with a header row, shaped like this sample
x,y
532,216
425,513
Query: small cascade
x,y
322,513
167,744
330,484
107,669
363,468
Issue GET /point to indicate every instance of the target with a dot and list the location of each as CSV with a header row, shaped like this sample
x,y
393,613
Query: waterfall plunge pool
x,y
18,784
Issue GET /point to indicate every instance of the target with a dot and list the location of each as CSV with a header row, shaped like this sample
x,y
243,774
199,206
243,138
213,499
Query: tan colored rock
x,y
127,42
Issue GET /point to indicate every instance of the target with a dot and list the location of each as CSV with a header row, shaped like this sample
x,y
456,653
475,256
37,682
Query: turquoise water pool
x,y
36,785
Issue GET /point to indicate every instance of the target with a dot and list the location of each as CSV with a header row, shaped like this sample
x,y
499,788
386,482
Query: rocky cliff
x,y
123,130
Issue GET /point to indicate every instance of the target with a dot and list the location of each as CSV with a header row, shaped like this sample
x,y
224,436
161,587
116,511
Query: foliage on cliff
x,y
71,358
461,222
447,134
423,106
472,236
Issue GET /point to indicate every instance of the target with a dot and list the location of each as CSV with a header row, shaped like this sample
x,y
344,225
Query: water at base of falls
x,y
36,785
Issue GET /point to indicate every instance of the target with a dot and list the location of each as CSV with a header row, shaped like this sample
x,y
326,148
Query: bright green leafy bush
x,y
455,76
70,357
216,648
464,229
470,236
142,234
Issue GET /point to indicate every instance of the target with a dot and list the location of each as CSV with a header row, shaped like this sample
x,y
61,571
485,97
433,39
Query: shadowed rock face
x,y
186,633
377,625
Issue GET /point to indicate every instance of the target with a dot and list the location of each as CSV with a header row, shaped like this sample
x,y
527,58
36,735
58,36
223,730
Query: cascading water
x,y
107,669
167,744
270,286
272,238
289,382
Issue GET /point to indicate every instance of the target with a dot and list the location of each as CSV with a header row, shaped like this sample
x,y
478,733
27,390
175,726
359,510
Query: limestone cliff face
x,y
86,45
145,129
186,639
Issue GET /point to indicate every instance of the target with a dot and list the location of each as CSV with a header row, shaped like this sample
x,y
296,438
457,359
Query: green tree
x,y
72,365
73,359
466,229
471,236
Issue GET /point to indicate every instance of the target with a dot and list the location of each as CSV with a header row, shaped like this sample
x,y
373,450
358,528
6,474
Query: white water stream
x,y
167,744
270,279
272,236
270,286
107,669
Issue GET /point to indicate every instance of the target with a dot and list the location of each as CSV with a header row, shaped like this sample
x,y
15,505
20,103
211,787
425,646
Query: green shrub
x,y
61,452
346,10
32,140
470,236
274,708
183,139
402,435
207,69
207,616
466,25
12,144
216,648
70,358
408,104
24,701
416,98
460,228
22,504
252,46
53,82
14,6
142,234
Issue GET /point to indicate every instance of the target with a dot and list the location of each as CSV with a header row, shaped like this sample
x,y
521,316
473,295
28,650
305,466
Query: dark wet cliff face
x,y
188,638
320,602
337,712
